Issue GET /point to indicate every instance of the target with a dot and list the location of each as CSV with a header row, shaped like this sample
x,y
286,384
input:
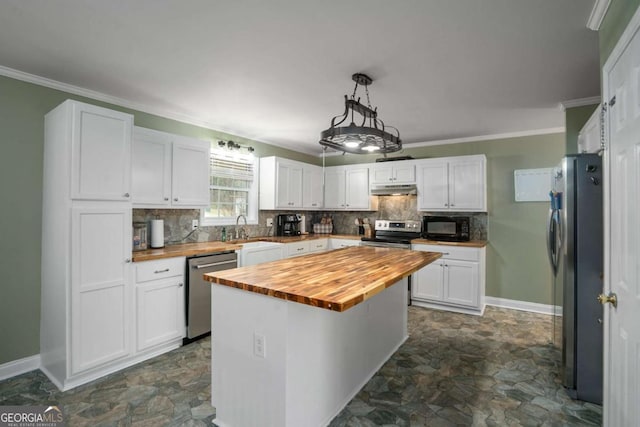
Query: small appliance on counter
x,y
139,236
303,225
288,224
446,228
157,233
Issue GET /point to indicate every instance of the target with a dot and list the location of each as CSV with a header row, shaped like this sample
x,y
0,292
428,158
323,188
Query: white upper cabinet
x,y
169,170
100,153
347,188
312,187
452,184
151,171
393,173
289,184
589,136
190,172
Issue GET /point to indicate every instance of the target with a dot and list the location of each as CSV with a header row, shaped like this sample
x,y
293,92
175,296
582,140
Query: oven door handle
x,y
213,264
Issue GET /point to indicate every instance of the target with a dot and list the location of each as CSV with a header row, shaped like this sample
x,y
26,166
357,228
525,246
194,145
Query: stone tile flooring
x,y
455,369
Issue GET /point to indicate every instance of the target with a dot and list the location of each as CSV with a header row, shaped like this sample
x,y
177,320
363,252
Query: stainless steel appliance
x,y
199,291
394,234
288,225
446,228
575,246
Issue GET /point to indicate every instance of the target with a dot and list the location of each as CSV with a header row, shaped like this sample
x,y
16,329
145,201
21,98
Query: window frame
x,y
252,201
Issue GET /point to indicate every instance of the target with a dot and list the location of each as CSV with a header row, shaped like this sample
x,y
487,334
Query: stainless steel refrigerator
x,y
575,244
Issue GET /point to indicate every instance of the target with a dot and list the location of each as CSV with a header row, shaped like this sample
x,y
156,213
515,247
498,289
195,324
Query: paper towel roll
x,y
157,233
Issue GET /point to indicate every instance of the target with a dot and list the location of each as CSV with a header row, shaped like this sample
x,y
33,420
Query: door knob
x,y
611,298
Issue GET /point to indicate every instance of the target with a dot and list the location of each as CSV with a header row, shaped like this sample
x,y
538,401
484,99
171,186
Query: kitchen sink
x,y
258,252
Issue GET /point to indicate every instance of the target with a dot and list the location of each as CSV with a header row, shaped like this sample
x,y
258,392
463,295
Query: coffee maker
x,y
288,225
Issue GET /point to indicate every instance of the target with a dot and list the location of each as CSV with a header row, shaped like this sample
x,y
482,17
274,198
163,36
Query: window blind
x,y
236,167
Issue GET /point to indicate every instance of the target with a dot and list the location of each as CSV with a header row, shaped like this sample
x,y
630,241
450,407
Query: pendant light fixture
x,y
369,136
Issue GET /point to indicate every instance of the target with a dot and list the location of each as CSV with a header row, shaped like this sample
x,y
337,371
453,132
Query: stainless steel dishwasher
x,y
199,290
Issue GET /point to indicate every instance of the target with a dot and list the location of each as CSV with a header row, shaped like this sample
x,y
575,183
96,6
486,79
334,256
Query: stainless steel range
x,y
395,234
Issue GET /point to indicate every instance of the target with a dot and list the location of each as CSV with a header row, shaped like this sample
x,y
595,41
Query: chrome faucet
x,y
241,232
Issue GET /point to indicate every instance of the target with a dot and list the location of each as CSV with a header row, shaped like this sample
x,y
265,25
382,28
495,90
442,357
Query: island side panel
x,y
247,390
332,355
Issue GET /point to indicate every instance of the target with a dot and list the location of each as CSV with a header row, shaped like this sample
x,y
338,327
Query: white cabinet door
x,y
100,153
312,192
160,312
100,290
461,282
382,174
342,243
334,188
428,282
288,185
404,174
357,188
434,186
318,245
190,172
151,168
296,249
393,174
466,185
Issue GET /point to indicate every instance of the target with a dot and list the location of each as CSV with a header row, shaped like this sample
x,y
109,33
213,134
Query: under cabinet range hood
x,y
393,189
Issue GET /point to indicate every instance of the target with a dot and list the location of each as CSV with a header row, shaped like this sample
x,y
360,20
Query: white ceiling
x,y
276,71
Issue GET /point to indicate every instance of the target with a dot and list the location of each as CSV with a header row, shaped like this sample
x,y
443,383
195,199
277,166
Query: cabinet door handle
x,y
161,271
446,253
452,205
126,194
127,260
166,199
446,204
180,285
175,200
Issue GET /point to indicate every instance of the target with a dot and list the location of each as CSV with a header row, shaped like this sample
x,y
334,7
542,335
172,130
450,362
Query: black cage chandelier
x,y
369,136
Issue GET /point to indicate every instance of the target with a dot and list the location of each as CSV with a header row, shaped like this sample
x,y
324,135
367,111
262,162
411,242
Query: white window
x,y
233,188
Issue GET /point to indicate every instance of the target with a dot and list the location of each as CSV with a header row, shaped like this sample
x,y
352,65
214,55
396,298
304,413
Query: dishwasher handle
x,y
213,264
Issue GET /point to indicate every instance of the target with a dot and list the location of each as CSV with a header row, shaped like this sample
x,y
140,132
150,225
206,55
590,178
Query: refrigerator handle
x,y
552,240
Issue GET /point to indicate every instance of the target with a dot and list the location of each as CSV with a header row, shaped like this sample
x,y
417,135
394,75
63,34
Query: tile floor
x,y
454,370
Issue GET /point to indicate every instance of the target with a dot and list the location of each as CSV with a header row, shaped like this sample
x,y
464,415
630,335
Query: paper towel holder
x,y
157,233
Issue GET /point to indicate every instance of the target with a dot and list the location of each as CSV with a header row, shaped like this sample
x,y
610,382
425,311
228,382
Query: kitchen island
x,y
294,340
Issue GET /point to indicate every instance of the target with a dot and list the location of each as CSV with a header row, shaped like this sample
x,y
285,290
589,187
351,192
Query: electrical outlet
x,y
269,222
194,224
259,345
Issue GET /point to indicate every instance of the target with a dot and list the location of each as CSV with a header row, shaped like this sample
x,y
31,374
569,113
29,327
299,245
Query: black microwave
x,y
447,228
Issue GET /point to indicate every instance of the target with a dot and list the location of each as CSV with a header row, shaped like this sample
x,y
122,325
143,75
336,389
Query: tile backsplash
x,y
177,222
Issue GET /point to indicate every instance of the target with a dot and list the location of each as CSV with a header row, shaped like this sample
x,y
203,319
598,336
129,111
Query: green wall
x,y
517,264
575,118
22,109
615,21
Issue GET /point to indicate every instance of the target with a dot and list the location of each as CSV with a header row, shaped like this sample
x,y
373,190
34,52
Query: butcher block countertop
x,y
469,244
335,280
185,249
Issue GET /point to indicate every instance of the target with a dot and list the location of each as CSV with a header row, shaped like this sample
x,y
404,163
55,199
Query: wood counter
x,y
185,249
335,280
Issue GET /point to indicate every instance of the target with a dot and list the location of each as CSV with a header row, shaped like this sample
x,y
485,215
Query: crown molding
x,y
144,108
580,102
598,13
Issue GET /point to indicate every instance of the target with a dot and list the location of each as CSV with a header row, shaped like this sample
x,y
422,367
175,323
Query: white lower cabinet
x,y
454,282
318,245
343,243
160,308
296,249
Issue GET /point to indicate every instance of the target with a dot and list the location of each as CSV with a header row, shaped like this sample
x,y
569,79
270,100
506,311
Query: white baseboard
x,y
523,305
20,366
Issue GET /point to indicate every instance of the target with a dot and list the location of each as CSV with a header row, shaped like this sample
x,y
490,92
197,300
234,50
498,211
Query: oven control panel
x,y
390,225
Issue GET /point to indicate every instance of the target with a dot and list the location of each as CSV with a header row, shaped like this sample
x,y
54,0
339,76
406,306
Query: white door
x,y
382,174
357,188
100,291
313,189
461,282
466,185
334,188
160,311
190,173
404,174
100,153
434,186
621,76
150,168
427,283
